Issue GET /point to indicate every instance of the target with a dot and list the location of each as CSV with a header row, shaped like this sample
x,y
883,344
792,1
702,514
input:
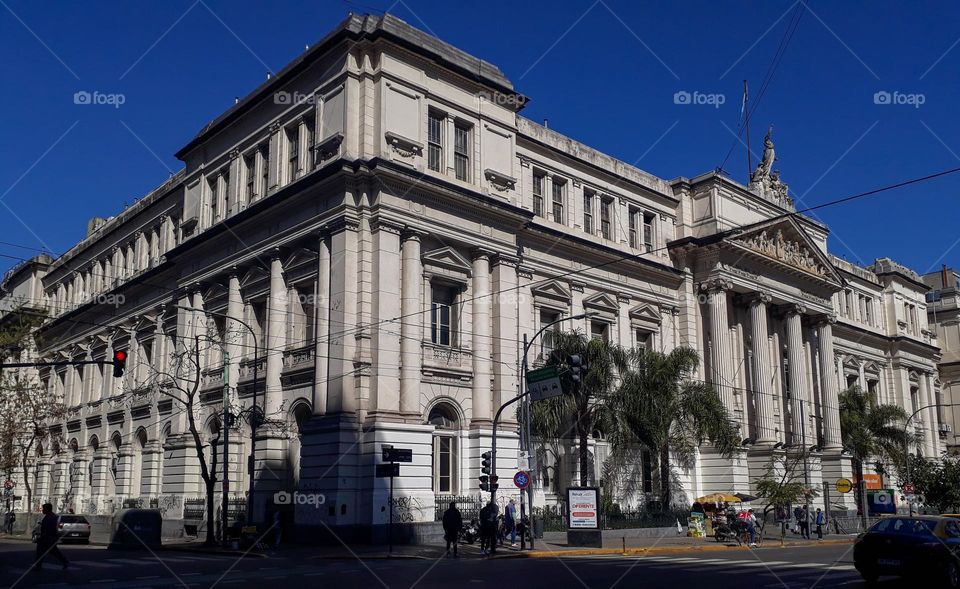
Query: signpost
x,y
544,383
391,456
909,489
881,501
9,484
521,480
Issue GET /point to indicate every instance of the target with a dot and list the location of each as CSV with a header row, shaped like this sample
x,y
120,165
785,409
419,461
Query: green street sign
x,y
544,383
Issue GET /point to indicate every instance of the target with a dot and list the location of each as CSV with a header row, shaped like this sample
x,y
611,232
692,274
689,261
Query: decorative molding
x,y
789,251
328,147
716,284
499,181
404,146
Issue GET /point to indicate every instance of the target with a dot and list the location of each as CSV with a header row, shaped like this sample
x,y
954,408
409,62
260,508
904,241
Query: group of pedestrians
x,y
490,532
803,520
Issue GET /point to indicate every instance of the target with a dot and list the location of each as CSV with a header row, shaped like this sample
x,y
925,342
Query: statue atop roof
x,y
765,180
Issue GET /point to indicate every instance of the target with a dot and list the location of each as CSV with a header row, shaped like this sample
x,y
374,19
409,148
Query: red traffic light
x,y
119,363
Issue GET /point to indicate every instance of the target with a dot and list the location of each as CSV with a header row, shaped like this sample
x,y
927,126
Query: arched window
x,y
446,455
297,420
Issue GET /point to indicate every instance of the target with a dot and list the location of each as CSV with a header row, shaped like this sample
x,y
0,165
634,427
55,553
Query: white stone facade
x,y
390,227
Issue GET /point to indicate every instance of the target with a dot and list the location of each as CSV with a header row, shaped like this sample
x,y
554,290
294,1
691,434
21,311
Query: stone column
x,y
932,412
481,304
720,373
43,487
386,308
928,417
505,329
861,377
795,359
411,328
150,465
101,471
830,402
236,333
125,457
80,479
276,338
763,384
344,266
322,331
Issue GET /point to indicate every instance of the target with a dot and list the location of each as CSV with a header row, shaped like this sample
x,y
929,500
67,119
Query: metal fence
x,y
195,508
469,505
554,518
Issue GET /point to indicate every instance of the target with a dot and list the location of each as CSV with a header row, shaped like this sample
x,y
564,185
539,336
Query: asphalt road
x,y
768,568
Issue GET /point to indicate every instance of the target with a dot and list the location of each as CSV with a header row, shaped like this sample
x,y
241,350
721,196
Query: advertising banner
x,y
583,505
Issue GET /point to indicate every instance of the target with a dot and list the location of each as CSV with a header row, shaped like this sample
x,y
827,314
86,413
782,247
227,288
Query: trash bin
x,y
538,528
137,529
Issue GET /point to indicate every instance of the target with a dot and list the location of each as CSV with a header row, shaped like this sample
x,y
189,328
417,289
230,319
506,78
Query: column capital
x,y
793,309
506,260
481,253
756,298
824,319
412,233
388,225
716,285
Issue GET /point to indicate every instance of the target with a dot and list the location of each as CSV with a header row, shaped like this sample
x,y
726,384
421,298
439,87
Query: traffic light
x,y
493,482
119,363
485,463
578,367
484,483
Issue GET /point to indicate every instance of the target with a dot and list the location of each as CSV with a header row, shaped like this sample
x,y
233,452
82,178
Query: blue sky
x,y
602,71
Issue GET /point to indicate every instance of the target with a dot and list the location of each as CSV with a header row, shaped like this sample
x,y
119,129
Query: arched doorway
x,y
446,448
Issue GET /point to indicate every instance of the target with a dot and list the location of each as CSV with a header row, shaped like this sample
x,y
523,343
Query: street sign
x,y
909,489
388,470
9,484
521,480
844,486
396,454
544,383
881,501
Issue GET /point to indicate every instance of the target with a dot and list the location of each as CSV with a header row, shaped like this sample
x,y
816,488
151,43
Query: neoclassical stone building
x,y
388,228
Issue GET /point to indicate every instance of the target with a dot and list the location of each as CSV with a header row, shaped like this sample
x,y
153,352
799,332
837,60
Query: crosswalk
x,y
118,563
765,573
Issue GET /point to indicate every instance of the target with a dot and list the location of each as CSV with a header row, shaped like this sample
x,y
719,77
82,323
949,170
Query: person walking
x,y
488,528
752,527
510,521
821,520
8,520
805,522
47,542
452,522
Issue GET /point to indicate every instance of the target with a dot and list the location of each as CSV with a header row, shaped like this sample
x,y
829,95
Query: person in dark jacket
x,y
488,528
452,522
47,541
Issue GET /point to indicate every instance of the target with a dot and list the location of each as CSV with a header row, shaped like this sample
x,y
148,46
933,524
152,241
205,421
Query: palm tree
x,y
872,430
584,406
658,406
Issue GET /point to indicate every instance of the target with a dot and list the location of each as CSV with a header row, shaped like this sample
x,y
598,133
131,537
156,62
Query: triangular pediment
x,y
645,312
784,242
553,289
602,301
253,275
447,257
300,255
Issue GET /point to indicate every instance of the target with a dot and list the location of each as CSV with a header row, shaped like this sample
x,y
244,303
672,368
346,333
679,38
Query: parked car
x,y
919,547
71,528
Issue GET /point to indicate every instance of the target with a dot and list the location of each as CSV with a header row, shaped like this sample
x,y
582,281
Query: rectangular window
x,y
538,182
264,169
461,151
442,315
227,196
606,213
588,211
445,460
644,340
547,339
648,231
311,135
435,141
250,169
214,199
558,187
293,153
600,330
632,221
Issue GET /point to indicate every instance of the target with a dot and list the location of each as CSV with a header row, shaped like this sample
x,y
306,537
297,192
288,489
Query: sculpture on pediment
x,y
765,180
790,252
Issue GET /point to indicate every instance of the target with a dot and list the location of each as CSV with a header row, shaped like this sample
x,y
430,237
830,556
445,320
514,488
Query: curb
x,y
666,549
204,550
370,557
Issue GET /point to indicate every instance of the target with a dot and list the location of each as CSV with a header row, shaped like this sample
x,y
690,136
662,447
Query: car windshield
x,y
905,525
72,519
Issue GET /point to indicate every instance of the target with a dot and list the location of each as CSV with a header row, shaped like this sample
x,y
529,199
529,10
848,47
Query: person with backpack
x,y
452,522
821,520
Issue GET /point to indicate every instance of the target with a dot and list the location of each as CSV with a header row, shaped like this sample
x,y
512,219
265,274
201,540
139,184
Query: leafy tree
x,y
584,407
938,482
25,405
783,483
659,406
872,430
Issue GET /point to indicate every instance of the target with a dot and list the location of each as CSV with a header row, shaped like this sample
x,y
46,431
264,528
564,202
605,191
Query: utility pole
x,y
225,500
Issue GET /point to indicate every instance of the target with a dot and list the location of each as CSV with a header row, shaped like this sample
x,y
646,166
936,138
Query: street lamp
x,y
906,443
523,394
226,423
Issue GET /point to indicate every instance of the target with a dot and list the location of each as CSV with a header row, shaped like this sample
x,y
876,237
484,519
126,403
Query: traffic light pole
x,y
523,393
